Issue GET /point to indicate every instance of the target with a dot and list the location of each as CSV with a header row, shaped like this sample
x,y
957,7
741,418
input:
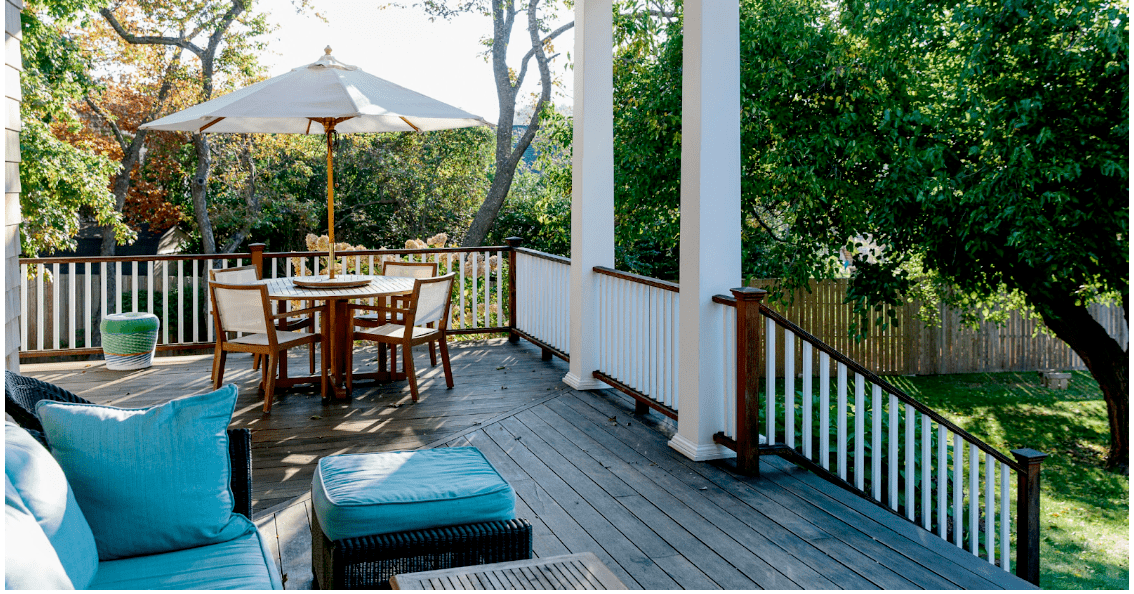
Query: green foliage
x,y
388,187
1006,138
58,180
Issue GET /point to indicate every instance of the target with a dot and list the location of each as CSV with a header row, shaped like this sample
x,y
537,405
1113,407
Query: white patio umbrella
x,y
324,97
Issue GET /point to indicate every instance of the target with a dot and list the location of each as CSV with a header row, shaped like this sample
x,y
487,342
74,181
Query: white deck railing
x,y
62,300
638,336
543,299
831,412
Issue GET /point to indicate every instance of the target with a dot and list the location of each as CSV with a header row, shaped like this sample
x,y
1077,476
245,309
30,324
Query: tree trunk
x,y
198,189
508,156
1108,364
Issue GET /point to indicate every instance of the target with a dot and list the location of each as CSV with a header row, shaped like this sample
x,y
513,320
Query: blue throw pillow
x,y
30,562
40,484
148,480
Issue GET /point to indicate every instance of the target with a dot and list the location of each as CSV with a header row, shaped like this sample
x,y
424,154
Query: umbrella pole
x,y
330,199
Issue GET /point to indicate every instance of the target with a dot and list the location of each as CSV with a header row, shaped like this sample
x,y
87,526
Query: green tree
x,y
224,37
1005,133
59,180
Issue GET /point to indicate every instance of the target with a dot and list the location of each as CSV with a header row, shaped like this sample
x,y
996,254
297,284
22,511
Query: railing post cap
x,y
257,247
1028,456
749,293
514,241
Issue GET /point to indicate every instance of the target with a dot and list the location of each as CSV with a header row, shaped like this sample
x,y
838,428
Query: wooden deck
x,y
589,475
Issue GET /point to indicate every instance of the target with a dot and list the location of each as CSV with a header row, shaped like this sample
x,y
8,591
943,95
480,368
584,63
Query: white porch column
x,y
592,178
710,216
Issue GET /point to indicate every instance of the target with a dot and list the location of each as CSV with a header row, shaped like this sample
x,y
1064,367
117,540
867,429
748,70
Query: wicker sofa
x,y
40,503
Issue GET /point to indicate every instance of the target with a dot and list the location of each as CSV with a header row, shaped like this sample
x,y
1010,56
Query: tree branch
x,y
182,42
121,138
532,52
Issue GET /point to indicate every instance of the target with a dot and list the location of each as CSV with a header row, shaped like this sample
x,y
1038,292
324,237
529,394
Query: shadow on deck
x,y
589,475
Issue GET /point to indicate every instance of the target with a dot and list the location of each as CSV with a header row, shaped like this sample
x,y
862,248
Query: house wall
x,y
13,66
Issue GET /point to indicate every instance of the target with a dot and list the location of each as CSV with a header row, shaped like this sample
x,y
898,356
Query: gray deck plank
x,y
586,484
615,547
722,541
826,573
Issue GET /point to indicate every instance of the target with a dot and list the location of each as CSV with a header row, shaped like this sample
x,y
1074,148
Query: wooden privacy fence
x,y
911,347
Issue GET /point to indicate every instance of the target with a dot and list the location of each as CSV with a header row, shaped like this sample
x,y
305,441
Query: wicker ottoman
x,y
129,340
377,515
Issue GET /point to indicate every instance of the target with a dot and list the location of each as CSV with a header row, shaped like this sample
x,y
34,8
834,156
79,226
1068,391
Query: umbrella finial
x,y
327,50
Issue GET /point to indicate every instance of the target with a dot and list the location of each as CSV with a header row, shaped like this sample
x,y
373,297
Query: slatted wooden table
x,y
285,289
581,571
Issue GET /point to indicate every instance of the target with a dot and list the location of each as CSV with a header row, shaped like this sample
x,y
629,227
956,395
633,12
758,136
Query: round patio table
x,y
338,324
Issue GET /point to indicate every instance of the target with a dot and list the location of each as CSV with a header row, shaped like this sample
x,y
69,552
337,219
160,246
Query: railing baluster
x,y
910,485
135,295
118,287
770,379
942,482
974,499
926,473
165,302
989,509
24,321
876,442
180,301
500,317
150,288
825,410
1005,519
461,263
841,420
789,388
196,303
55,290
807,419
73,311
105,272
958,492
892,454
88,334
859,432
209,302
40,299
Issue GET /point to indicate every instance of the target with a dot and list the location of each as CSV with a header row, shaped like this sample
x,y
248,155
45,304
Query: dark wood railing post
x,y
257,250
749,358
513,243
1028,514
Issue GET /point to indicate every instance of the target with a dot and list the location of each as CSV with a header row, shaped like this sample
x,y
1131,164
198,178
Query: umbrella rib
x,y
209,125
415,128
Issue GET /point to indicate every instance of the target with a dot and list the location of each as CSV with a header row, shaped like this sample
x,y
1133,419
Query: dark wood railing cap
x,y
1028,456
749,293
514,242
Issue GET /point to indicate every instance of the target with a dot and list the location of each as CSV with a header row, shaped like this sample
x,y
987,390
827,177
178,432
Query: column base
x,y
700,452
587,383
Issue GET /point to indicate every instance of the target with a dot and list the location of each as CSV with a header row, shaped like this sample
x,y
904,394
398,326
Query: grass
x,y
1085,510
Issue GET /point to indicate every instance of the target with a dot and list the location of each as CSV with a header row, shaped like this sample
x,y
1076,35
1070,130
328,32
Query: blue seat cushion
x,y
244,563
148,480
30,560
365,494
39,483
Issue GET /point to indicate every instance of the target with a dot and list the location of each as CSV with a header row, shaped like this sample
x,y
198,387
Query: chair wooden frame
x,y
397,301
289,325
406,307
274,347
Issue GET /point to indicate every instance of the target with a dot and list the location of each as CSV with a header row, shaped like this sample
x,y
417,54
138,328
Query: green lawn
x,y
1085,510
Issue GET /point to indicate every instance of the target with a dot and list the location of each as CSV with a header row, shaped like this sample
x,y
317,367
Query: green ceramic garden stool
x,y
129,340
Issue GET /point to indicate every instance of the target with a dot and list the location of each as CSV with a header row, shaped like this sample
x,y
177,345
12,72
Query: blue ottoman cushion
x,y
365,494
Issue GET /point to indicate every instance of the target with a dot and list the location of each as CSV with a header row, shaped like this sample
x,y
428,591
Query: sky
x,y
440,59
